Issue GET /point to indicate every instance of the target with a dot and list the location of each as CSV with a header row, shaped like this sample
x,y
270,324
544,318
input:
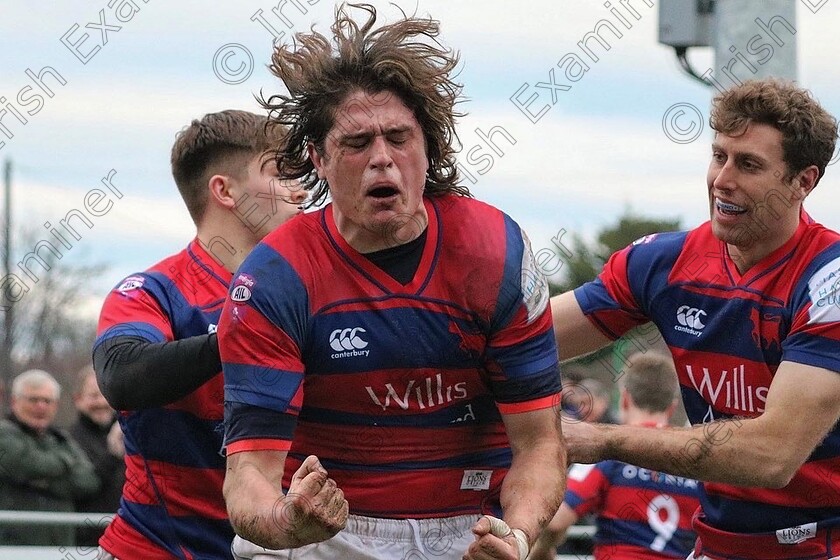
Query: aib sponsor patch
x,y
131,283
242,287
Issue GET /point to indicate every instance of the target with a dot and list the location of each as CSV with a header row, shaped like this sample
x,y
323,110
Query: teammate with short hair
x,y
404,337
747,304
642,514
156,355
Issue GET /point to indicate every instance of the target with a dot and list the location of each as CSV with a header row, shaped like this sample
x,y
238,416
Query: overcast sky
x,y
597,147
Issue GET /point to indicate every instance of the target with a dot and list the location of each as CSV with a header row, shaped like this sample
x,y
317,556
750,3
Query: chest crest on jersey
x,y
767,324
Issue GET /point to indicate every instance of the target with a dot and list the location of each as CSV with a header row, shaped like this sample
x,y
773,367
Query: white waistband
x,y
409,529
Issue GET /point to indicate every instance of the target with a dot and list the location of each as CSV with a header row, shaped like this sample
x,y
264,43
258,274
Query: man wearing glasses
x,y
41,467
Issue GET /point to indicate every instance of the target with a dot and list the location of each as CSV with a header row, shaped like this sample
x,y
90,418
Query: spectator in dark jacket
x,y
98,433
41,467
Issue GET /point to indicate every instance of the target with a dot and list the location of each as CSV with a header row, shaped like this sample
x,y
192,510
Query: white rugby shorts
x,y
370,538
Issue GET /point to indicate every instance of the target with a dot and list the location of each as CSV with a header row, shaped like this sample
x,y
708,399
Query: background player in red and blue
x,y
156,356
404,338
641,514
747,304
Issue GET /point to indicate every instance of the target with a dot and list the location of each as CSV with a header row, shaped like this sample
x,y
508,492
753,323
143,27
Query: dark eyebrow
x,y
354,136
740,156
367,134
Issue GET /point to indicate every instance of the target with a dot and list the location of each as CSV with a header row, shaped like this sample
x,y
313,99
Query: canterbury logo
x,y
690,317
347,339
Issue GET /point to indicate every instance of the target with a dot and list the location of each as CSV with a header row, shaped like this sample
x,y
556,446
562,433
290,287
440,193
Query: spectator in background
x,y
641,513
98,433
41,467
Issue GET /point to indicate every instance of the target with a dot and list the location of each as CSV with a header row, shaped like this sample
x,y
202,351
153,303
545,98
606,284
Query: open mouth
x,y
729,209
383,192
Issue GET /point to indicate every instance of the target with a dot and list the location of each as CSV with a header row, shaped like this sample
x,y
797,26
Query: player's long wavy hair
x,y
403,58
809,132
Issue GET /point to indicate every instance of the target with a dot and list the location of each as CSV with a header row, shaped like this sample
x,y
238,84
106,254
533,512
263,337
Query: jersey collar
x,y
376,275
208,262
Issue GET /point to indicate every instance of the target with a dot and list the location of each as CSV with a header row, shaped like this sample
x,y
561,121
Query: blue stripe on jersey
x,y
521,389
484,407
138,329
272,274
646,273
827,449
496,458
572,499
528,358
261,386
425,339
171,300
812,350
696,407
187,319
724,311
594,297
213,535
620,531
256,423
510,292
742,517
189,441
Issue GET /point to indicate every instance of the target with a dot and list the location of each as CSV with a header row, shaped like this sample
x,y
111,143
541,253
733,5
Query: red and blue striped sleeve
x,y
260,338
521,350
134,308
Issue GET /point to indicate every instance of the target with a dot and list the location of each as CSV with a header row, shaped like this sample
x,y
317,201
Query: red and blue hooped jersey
x,y
398,389
641,514
172,504
728,333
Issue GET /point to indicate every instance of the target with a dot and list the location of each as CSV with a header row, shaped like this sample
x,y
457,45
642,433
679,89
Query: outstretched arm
x,y
803,404
576,335
312,511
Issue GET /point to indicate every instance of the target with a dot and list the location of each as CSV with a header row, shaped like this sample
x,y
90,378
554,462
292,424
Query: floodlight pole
x,y
754,39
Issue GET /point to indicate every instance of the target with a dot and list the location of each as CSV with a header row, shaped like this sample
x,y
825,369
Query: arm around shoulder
x,y
575,333
134,373
764,451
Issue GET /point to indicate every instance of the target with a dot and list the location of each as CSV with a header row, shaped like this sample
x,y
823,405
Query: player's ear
x,y
220,187
318,159
804,182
